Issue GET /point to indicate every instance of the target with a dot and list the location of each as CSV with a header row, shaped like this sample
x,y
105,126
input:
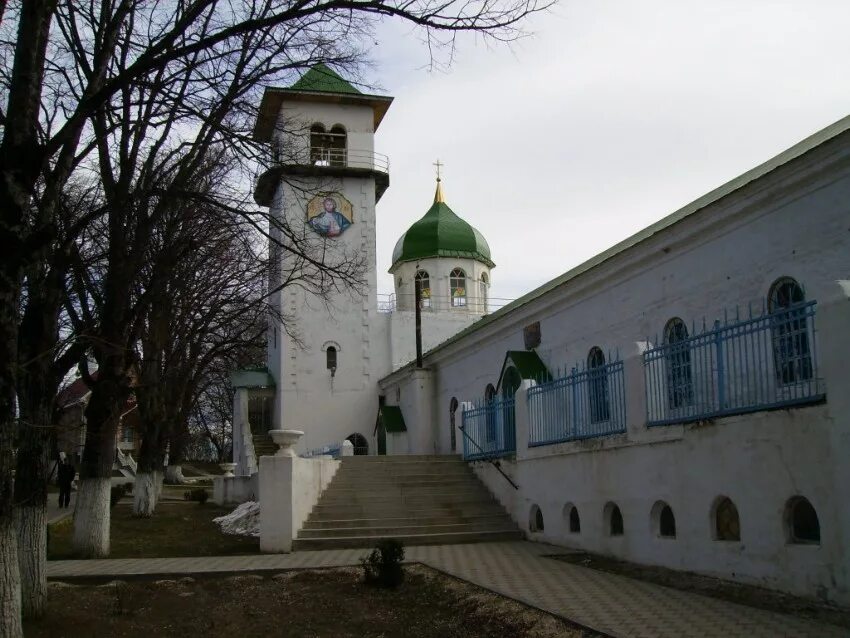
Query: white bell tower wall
x,y
329,405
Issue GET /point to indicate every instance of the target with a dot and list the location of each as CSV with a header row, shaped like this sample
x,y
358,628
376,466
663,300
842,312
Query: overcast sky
x,y
613,115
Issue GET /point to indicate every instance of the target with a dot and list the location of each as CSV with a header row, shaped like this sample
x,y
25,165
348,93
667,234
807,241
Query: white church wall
x,y
436,328
330,408
439,269
296,118
792,222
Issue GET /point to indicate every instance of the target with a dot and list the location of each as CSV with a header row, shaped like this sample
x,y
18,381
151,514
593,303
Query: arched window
x,y
535,519
361,445
680,388
613,519
337,143
791,355
452,411
801,521
573,519
457,286
598,386
489,396
727,525
424,288
330,358
663,521
485,284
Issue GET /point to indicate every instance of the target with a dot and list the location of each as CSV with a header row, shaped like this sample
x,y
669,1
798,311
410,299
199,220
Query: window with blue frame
x,y
600,405
789,331
680,387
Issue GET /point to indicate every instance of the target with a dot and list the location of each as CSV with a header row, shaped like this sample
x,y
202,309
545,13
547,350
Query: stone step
x,y
431,518
443,487
416,499
439,498
392,470
403,459
392,531
324,513
447,538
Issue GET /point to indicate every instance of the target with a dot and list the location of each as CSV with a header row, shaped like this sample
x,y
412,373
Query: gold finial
x,y
438,195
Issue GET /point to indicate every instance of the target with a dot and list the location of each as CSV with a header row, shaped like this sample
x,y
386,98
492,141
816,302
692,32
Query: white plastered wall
x,y
792,222
330,408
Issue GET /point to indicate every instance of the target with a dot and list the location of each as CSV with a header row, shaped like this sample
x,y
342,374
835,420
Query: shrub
x,y
116,493
383,566
199,494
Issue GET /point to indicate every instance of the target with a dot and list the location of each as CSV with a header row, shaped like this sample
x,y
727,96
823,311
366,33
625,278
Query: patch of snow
x,y
243,521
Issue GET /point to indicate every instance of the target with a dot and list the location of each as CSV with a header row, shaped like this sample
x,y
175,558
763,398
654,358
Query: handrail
x,y
334,157
489,458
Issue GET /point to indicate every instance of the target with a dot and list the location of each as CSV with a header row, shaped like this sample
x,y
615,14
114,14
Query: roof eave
x,y
455,254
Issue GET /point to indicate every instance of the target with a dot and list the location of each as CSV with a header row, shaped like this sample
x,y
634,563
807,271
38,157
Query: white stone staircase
x,y
418,500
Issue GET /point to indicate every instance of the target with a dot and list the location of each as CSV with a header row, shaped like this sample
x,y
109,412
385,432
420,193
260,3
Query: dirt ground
x,y
176,529
717,588
332,602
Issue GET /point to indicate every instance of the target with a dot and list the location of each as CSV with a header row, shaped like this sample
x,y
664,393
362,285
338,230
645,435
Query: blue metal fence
x,y
737,366
334,450
489,429
584,404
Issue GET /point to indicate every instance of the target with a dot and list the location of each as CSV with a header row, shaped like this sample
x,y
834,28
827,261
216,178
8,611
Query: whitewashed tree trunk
x,y
91,518
31,527
10,581
174,475
145,494
159,480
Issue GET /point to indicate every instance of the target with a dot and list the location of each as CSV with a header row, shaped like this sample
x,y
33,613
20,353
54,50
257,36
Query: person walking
x,y
65,477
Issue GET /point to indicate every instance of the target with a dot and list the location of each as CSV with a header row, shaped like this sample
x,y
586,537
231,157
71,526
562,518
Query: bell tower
x,y
321,189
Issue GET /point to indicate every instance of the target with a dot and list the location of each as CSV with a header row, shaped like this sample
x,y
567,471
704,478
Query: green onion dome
x,y
441,233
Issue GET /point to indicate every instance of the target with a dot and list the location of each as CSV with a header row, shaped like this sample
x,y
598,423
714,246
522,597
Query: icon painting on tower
x,y
329,214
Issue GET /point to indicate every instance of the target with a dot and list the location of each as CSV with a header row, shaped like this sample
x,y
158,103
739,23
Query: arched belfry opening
x,y
328,147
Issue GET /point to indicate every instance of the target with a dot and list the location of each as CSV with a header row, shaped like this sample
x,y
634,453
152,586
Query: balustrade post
x,y
521,418
634,380
721,368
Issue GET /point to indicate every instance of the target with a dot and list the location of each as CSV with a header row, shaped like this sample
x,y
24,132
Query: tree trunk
x,y
146,492
31,489
10,581
91,515
31,528
174,475
30,512
92,518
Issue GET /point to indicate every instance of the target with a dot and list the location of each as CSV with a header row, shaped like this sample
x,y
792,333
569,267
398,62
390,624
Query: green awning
x,y
252,378
392,418
529,365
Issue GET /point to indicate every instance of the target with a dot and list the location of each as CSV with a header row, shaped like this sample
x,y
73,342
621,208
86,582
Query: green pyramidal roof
x,y
323,79
441,233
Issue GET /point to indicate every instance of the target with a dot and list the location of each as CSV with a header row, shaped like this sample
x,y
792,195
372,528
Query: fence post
x,y
464,406
521,424
721,369
634,380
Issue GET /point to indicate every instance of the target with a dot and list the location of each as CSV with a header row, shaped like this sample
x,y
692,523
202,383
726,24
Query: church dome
x,y
441,233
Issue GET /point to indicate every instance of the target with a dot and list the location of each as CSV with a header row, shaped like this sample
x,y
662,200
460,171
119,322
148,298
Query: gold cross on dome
x,y
439,165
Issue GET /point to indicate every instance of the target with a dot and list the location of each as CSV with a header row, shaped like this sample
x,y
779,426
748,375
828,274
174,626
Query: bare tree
x,y
206,306
68,69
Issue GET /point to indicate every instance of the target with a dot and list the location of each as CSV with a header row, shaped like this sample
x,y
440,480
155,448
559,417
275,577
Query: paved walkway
x,y
54,512
611,604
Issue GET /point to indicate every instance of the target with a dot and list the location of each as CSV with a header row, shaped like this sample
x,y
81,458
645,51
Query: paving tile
x,y
613,604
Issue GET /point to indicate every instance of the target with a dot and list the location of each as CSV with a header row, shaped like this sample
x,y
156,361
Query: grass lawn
x,y
331,602
177,529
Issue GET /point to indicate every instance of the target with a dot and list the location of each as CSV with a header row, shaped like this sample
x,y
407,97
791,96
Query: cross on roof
x,y
439,165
